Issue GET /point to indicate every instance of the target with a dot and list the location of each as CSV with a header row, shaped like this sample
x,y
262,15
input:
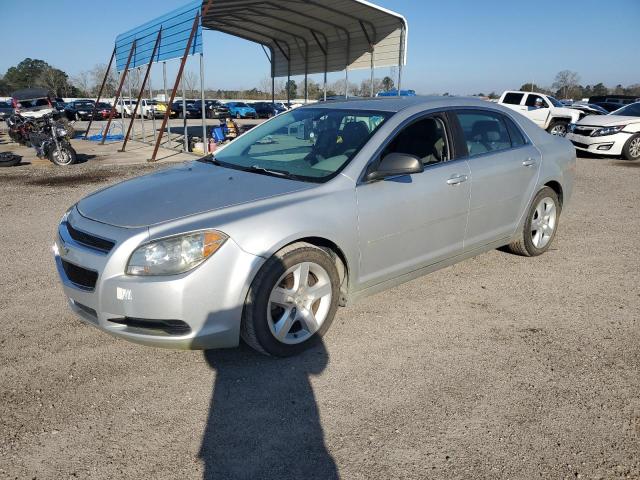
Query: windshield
x,y
310,144
632,110
555,102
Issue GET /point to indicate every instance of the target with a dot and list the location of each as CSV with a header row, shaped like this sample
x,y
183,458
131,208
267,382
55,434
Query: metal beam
x,y
122,78
104,81
165,119
144,82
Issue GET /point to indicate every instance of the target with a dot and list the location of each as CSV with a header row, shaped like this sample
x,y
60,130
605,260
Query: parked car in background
x,y
589,108
241,110
608,106
59,104
32,102
124,108
213,109
320,206
80,110
544,110
6,109
151,108
616,134
267,109
192,110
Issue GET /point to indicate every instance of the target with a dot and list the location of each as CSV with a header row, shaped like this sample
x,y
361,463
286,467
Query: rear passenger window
x,y
484,132
425,139
513,98
517,139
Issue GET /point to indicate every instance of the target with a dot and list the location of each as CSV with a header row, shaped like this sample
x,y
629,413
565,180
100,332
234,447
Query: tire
x,y
68,155
631,149
558,127
303,312
9,159
532,242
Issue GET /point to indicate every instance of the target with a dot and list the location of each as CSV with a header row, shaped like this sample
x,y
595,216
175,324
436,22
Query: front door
x,y
412,221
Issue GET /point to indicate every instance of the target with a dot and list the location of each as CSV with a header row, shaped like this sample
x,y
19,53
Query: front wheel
x,y
558,127
631,149
66,155
540,225
292,301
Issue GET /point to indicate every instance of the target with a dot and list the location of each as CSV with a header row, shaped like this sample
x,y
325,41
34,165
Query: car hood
x,y
193,188
607,120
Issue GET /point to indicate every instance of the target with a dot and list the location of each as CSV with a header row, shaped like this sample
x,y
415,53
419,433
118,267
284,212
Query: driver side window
x,y
425,139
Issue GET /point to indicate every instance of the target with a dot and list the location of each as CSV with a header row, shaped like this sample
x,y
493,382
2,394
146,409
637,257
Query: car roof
x,y
396,104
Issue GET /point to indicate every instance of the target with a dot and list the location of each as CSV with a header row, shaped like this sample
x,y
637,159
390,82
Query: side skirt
x,y
355,297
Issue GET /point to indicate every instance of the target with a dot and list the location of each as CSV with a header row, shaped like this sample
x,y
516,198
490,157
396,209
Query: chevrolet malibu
x,y
314,209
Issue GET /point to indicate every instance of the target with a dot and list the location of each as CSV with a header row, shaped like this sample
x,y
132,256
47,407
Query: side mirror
x,y
395,164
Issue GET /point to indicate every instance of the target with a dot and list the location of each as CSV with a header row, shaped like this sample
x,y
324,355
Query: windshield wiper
x,y
210,159
268,171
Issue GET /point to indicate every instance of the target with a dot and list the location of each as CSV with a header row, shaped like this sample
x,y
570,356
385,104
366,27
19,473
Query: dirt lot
x,y
499,367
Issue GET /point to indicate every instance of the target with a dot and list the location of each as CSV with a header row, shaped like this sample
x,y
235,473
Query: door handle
x,y
457,179
529,162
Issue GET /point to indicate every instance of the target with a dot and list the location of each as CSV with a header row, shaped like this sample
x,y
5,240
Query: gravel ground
x,y
499,367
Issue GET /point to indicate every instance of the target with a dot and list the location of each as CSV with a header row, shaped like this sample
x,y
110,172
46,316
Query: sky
x,y
456,46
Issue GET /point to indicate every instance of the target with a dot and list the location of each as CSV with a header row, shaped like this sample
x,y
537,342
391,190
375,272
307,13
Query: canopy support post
x,y
324,50
140,94
306,74
122,79
104,81
165,119
146,77
400,59
185,136
164,81
205,147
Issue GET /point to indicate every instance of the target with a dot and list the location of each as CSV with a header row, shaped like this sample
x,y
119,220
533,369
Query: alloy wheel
x,y
543,222
560,130
634,147
299,303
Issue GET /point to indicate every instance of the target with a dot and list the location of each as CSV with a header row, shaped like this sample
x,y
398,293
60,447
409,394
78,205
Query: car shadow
x,y
263,418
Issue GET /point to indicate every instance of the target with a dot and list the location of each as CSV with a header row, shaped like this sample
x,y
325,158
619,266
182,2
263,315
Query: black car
x,y
80,109
609,106
267,109
6,109
192,110
214,109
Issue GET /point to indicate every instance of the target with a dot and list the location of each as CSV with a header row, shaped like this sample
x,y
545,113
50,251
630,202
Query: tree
x,y
26,74
387,84
292,88
190,82
530,87
599,89
97,75
565,83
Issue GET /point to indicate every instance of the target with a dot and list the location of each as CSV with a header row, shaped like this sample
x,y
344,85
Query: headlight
x,y
607,131
174,255
61,132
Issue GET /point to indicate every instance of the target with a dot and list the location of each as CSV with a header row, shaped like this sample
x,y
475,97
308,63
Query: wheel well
x,y
556,187
339,257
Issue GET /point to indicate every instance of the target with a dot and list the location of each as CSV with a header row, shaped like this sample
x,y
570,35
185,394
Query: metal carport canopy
x,y
314,36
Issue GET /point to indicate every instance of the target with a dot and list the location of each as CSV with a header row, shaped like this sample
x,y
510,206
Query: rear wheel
x,y
540,226
292,301
558,127
631,149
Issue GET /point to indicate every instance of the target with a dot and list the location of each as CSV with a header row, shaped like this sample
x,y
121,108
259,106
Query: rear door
x,y
412,221
504,168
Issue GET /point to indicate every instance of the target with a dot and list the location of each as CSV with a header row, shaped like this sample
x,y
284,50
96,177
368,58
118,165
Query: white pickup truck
x,y
544,110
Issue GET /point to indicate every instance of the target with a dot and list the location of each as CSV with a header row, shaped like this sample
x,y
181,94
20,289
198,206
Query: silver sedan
x,y
314,209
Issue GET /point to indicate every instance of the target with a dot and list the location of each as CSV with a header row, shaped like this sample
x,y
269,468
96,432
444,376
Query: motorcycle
x,y
20,129
51,141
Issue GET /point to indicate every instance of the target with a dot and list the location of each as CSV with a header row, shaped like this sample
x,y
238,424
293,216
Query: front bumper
x,y
209,299
605,145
